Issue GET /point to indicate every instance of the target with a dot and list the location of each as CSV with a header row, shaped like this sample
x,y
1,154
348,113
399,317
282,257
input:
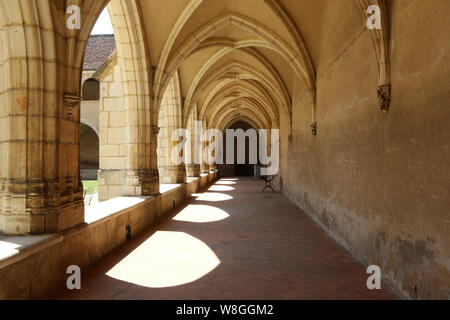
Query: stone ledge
x,y
15,248
32,267
107,209
165,188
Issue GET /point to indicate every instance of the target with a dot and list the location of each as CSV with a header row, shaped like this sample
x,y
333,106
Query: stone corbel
x,y
314,112
314,128
71,103
155,131
384,97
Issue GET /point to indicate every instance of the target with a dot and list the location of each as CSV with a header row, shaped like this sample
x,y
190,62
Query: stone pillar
x,y
172,174
205,167
41,190
128,183
153,181
172,171
40,186
193,146
127,142
212,167
193,170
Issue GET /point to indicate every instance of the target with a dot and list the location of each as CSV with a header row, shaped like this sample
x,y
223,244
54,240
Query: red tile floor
x,y
231,242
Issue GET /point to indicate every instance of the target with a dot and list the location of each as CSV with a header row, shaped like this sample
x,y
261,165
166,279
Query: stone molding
x,y
71,103
384,97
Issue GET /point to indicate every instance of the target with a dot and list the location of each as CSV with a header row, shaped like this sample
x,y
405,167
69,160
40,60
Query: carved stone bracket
x,y
384,97
155,131
314,128
71,103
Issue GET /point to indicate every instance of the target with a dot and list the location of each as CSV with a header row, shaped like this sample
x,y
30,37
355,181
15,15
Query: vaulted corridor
x,y
114,113
230,242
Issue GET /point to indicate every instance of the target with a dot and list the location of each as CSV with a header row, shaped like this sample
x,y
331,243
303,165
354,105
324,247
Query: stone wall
x,y
379,182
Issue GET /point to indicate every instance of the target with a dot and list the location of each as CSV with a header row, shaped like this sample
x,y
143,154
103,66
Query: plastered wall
x,y
379,182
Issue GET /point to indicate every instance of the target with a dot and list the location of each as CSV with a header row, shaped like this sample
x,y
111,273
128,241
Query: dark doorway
x,y
238,170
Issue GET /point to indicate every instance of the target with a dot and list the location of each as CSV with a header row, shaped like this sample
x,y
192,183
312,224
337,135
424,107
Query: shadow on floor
x,y
231,242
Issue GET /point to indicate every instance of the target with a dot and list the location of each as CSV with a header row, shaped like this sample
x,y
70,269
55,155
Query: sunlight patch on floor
x,y
166,259
226,182
212,197
221,188
201,214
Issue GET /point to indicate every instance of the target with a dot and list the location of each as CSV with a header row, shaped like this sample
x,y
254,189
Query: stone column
x,y
127,142
170,172
193,170
205,167
40,186
41,190
193,156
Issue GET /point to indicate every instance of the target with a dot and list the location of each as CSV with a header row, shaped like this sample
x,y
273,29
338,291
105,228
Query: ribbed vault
x,y
262,44
233,60
257,45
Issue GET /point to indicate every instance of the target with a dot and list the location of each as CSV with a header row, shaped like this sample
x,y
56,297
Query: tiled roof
x,y
98,49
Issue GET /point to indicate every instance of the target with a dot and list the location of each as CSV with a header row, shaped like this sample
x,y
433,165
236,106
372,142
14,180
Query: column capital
x,y
155,130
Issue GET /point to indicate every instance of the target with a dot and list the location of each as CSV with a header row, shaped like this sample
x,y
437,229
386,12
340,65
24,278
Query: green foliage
x,y
90,187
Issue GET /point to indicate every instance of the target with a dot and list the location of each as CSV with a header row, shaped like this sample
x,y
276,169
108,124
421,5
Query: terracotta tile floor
x,y
231,242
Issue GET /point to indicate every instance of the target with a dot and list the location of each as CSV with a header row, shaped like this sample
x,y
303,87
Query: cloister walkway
x,y
231,242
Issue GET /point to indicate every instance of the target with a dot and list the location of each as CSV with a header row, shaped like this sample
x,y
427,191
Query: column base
x,y
193,170
127,183
172,174
39,207
205,168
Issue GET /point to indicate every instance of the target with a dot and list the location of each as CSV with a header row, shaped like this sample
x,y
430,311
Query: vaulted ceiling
x,y
239,59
